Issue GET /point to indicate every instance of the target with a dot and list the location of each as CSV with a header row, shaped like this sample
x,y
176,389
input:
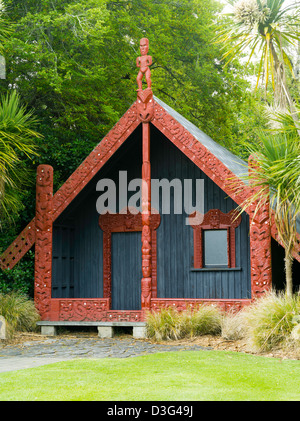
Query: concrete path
x,y
61,348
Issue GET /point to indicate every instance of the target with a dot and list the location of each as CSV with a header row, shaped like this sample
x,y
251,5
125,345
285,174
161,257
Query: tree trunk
x,y
288,261
283,88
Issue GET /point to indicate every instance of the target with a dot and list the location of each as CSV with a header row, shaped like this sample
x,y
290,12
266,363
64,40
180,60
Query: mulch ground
x,y
214,342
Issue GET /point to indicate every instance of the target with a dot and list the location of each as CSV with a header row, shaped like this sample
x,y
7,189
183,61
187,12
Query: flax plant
x,y
17,140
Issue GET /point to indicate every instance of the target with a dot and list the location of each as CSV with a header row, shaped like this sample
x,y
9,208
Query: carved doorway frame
x,y
126,221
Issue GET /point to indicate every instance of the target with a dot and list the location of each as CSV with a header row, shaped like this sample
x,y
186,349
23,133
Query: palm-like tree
x,y
264,29
16,141
276,178
5,27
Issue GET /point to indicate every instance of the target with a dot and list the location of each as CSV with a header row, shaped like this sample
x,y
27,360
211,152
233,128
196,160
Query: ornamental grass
x,y
171,324
270,321
19,312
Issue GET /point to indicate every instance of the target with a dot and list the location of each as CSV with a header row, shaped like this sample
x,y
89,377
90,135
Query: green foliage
x,y
16,142
74,62
18,311
170,324
20,278
6,27
264,30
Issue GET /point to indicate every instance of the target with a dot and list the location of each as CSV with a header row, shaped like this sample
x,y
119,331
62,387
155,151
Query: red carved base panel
x,y
78,309
184,304
97,309
90,309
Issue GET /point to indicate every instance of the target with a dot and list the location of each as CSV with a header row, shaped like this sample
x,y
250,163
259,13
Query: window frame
x,y
214,219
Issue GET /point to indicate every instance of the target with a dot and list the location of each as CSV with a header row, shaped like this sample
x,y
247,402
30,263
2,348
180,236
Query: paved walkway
x,y
61,348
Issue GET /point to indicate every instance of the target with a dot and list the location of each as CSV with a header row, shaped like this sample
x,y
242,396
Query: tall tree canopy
x,y
74,62
264,30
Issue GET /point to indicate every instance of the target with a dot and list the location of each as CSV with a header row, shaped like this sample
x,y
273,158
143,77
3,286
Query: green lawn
x,y
174,376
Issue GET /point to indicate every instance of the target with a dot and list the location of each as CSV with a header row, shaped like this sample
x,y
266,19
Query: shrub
x,y
168,323
271,319
19,312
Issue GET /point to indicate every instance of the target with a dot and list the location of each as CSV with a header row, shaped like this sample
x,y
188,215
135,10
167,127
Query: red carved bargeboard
x,y
75,183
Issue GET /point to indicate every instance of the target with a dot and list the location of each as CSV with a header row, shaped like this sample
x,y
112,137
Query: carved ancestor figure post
x,y
143,62
145,110
145,103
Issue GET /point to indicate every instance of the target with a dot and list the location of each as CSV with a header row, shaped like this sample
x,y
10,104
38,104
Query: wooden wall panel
x,y
175,279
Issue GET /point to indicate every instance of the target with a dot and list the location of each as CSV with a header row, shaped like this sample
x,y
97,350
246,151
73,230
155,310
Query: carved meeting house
x,y
118,266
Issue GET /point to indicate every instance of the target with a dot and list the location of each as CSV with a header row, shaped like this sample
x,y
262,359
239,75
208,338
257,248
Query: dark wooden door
x,y
126,261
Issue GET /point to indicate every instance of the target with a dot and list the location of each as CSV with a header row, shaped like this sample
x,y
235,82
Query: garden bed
x,y
216,342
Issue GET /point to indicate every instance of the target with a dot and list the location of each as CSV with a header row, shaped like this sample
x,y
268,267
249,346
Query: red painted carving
x,y
214,219
90,309
82,309
19,247
145,102
145,105
143,62
185,304
128,221
123,316
75,183
260,246
146,221
43,241
97,158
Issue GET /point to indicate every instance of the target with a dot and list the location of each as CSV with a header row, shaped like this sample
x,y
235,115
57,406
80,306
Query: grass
x,y
174,376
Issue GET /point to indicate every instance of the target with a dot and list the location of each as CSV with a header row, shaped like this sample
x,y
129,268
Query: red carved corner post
x,y
43,241
260,245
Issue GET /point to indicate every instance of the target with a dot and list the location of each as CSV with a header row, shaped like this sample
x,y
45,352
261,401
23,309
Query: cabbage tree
x,y
264,30
277,178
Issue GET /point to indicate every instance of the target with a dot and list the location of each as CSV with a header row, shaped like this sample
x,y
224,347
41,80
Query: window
x,y
214,240
215,248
